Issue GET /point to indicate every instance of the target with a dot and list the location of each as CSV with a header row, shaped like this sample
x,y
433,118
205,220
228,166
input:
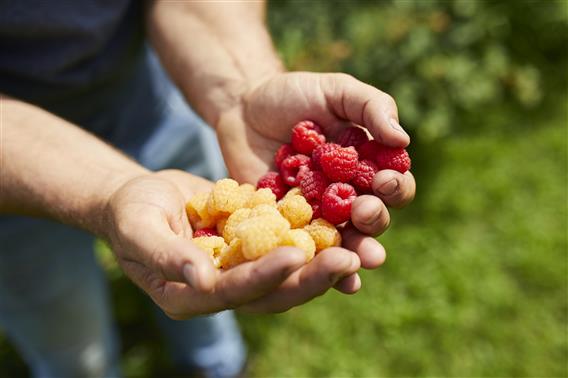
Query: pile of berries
x,y
331,175
237,223
299,206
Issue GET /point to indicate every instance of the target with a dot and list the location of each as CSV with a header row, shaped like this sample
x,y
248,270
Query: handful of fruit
x,y
299,205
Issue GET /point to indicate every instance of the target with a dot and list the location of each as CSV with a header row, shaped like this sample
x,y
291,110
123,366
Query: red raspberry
x,y
306,136
316,208
205,232
293,167
369,150
366,170
320,150
274,182
313,184
395,158
336,202
340,164
352,136
282,153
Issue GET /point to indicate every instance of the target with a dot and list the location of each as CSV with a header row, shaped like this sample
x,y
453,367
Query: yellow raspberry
x,y
226,197
210,244
261,234
232,255
198,212
247,188
325,234
296,210
247,191
264,209
295,191
300,239
233,222
262,196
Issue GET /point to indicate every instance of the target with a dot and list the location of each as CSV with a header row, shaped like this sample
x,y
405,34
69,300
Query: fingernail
x,y
190,275
395,125
388,187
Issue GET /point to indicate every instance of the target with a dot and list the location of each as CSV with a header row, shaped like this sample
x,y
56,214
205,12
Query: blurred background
x,y
476,280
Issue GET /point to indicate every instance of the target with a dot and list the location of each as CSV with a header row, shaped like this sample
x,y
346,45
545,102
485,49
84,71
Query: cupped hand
x,y
151,238
251,132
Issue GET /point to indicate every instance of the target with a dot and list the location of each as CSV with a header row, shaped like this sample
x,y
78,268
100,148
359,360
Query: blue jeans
x,y
54,302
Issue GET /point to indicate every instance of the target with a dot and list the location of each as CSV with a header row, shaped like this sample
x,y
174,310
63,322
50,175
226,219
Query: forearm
x,y
51,168
214,51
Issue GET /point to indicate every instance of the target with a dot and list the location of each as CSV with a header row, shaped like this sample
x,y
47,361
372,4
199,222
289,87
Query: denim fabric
x,y
54,302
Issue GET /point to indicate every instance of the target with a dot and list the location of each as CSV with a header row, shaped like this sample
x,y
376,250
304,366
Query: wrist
x,y
236,96
101,213
231,93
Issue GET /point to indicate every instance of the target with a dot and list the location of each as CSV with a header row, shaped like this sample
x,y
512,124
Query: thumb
x,y
177,259
184,262
365,105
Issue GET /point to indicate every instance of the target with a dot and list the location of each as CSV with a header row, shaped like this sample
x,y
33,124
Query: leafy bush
x,y
440,59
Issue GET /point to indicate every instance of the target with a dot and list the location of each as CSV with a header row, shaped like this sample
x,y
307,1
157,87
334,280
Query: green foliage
x,y
441,60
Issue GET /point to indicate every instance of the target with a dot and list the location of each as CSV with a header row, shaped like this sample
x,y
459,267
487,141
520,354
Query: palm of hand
x,y
151,240
148,216
250,133
151,237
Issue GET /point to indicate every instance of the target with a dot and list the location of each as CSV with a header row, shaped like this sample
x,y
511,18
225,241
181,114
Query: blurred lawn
x,y
476,280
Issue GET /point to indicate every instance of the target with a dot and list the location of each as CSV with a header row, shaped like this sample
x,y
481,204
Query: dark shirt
x,y
69,56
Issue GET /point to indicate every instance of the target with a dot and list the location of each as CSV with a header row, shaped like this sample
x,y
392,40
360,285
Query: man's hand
x,y
142,214
230,73
251,132
151,236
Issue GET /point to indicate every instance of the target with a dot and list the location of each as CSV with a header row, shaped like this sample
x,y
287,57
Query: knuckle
x,y
389,101
337,260
345,77
159,260
384,219
342,80
256,272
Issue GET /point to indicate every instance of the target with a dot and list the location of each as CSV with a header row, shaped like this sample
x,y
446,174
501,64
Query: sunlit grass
x,y
475,283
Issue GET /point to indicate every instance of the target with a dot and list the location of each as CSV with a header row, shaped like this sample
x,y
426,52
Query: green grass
x,y
475,282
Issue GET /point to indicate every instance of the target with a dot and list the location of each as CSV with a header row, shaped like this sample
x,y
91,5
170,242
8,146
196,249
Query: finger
x,y
238,285
365,105
371,253
369,215
395,189
246,282
168,255
312,280
349,285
